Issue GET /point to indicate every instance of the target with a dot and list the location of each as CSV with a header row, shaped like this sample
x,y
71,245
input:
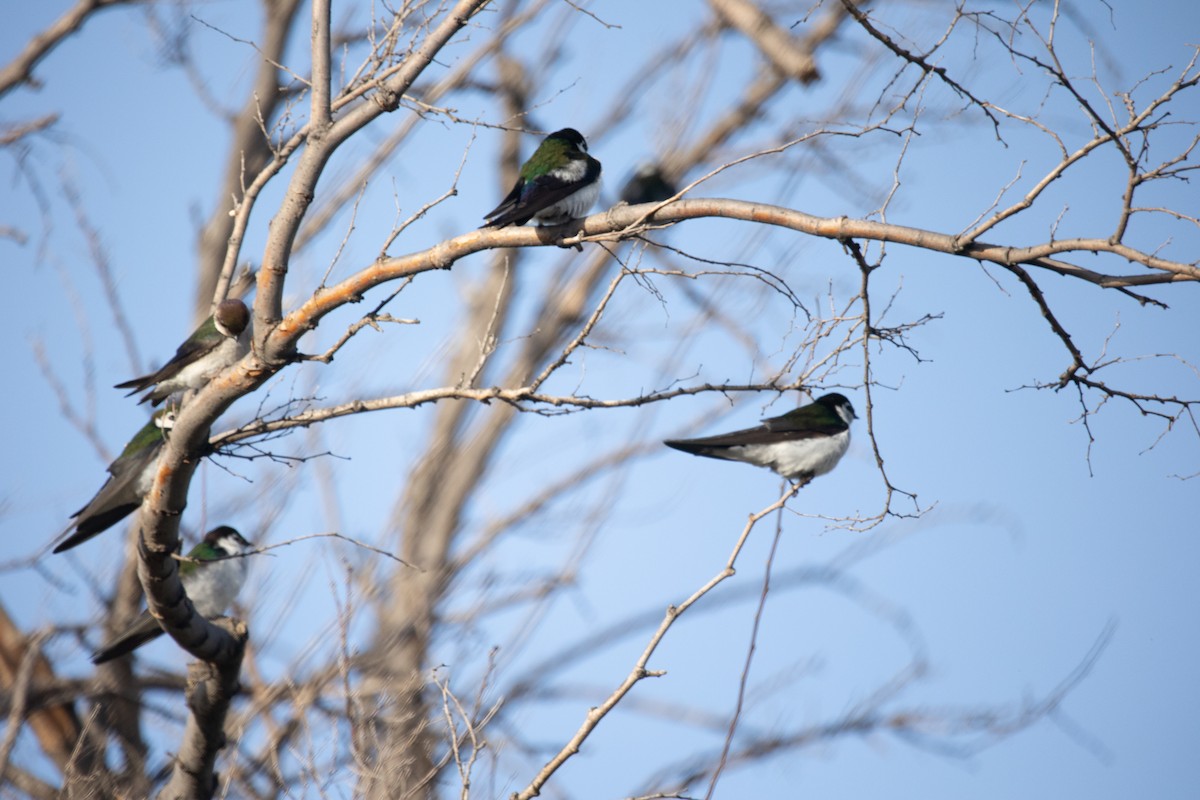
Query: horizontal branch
x,y
514,396
630,222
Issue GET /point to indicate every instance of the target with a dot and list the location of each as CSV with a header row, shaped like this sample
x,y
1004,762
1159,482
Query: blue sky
x,y
1035,545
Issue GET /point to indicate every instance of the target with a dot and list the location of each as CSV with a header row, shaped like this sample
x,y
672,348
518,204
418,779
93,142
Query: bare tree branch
x,y
20,69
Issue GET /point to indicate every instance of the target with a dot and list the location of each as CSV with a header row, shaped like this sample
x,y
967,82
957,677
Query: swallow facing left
x,y
800,445
219,342
130,477
212,581
560,182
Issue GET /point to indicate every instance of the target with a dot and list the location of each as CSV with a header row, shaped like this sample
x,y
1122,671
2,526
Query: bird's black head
x,y
216,535
571,137
838,404
165,417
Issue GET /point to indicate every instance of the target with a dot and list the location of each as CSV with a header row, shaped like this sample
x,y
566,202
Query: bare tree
x,y
501,358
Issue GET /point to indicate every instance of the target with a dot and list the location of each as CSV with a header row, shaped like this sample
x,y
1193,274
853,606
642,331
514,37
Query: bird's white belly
x,y
799,458
201,371
213,587
573,207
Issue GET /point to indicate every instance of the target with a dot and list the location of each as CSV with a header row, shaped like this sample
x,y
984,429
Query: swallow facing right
x,y
219,342
800,445
560,182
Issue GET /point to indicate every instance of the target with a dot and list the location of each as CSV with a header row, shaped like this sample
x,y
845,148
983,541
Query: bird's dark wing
x,y
504,210
704,445
772,431
116,500
96,522
187,353
196,346
804,426
137,384
529,197
145,629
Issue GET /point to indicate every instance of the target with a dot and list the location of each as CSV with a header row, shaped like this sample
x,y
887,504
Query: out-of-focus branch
x,y
20,69
955,732
754,99
121,713
29,786
11,134
785,54
22,668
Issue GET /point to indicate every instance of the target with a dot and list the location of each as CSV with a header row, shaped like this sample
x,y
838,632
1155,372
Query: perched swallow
x,y
647,185
130,476
212,582
219,342
558,183
800,445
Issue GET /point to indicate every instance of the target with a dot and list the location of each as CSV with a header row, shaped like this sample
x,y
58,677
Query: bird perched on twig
x,y
212,576
219,342
800,445
558,183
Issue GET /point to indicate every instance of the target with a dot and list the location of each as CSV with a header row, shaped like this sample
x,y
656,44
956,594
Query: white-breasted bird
x,y
212,582
800,445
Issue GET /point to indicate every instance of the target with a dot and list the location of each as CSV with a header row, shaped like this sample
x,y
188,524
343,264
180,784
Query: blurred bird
x,y
212,585
558,183
130,476
647,185
800,445
219,342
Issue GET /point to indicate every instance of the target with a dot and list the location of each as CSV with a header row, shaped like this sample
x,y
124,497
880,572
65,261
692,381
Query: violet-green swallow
x,y
211,585
130,476
647,185
800,445
560,182
219,342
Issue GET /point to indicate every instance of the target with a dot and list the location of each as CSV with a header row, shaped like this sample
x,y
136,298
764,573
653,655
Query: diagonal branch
x,y
786,55
640,669
20,69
